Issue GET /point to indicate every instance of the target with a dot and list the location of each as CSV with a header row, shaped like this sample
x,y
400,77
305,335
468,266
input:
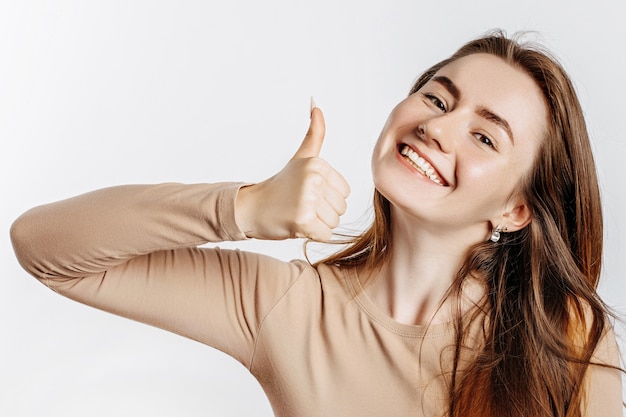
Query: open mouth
x,y
422,165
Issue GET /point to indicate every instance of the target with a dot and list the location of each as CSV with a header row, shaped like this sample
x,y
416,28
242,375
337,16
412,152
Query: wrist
x,y
244,208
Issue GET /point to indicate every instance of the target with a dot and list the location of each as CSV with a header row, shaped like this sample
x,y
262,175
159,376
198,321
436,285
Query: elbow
x,y
24,241
41,253
19,241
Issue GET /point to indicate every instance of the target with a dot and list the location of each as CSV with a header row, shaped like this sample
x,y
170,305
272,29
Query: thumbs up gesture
x,y
304,200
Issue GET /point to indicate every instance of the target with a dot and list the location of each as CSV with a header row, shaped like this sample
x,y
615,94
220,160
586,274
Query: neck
x,y
411,286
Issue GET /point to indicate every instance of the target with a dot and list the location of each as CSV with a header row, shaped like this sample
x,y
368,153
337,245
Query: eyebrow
x,y
494,118
449,85
483,112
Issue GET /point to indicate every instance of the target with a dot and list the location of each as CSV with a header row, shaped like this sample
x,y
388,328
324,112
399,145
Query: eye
x,y
484,140
435,100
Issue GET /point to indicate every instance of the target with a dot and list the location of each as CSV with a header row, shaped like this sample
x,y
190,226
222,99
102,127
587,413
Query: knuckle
x,y
302,222
315,179
317,165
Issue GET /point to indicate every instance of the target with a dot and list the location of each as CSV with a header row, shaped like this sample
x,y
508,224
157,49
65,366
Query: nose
x,y
439,132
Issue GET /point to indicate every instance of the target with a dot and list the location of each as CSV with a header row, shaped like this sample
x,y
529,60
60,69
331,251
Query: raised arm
x,y
132,250
305,199
92,232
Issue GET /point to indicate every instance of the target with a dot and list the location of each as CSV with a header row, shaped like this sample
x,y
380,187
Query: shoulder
x,y
304,285
604,378
321,275
268,277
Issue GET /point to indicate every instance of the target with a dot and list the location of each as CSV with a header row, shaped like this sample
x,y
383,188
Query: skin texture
x,y
448,132
305,199
479,163
131,250
480,166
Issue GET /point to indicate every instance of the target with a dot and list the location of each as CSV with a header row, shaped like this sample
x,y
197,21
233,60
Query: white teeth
x,y
421,164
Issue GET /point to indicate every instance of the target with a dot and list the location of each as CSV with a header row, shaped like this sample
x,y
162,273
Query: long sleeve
x,y
132,250
93,231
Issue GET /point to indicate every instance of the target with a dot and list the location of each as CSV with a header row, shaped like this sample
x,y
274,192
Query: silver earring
x,y
495,235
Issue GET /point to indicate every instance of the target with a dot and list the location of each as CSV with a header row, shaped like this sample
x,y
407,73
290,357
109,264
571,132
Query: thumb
x,y
312,143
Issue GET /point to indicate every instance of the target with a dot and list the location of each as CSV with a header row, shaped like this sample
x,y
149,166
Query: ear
x,y
516,218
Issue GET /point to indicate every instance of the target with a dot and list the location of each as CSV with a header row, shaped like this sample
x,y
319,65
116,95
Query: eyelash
x,y
436,102
484,139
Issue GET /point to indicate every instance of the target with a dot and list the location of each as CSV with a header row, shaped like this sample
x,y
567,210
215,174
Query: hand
x,y
304,200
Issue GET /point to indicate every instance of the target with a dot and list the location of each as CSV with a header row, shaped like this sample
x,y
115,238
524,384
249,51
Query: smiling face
x,y
453,154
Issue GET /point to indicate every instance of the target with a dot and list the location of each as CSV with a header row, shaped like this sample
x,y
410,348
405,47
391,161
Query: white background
x,y
97,93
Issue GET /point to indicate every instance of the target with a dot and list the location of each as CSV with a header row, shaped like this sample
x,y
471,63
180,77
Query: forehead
x,y
488,81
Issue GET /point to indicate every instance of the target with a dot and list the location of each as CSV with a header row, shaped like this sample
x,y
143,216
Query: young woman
x,y
472,293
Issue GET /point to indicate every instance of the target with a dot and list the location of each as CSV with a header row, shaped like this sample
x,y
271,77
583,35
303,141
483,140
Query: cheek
x,y
488,181
377,154
381,168
480,171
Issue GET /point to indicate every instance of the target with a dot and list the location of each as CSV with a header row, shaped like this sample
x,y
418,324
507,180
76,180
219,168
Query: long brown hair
x,y
541,316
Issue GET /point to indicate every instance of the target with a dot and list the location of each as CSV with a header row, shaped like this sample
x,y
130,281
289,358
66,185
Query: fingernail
x,y
312,104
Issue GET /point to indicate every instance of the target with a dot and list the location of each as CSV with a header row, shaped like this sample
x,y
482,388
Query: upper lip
x,y
444,180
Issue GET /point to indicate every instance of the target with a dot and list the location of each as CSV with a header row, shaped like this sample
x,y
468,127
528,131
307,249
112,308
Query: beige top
x,y
312,338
